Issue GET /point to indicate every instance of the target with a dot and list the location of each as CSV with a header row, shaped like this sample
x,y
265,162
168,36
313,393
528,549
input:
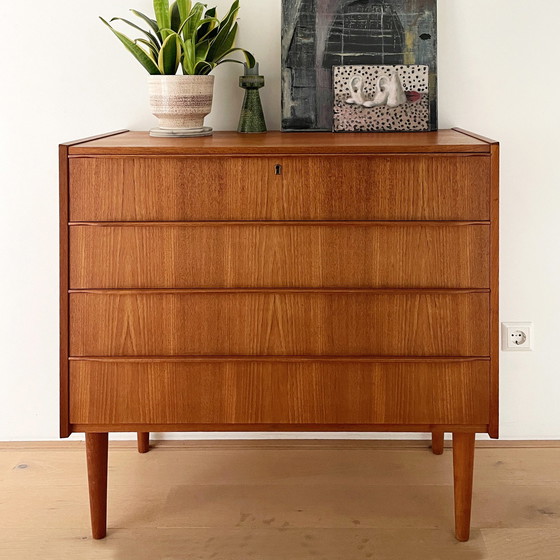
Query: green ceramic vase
x,y
252,116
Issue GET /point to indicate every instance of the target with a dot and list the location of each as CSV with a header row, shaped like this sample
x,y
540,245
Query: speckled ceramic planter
x,y
181,102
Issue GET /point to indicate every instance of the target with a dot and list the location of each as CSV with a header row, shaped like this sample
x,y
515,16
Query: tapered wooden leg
x,y
97,454
143,442
463,463
437,443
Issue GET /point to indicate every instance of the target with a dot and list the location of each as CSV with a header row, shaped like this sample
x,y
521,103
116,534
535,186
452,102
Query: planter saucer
x,y
181,132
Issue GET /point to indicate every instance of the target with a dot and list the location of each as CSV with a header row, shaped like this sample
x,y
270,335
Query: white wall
x,y
64,76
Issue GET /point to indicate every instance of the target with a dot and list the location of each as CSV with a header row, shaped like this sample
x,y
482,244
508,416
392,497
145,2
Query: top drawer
x,y
414,187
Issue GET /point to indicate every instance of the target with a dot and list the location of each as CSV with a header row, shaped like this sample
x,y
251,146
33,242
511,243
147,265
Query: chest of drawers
x,y
310,282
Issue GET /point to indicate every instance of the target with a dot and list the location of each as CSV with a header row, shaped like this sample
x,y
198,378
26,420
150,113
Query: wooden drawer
x,y
244,392
294,323
411,187
401,255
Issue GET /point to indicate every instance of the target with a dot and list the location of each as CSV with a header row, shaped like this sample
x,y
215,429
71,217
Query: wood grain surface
x,y
495,293
64,275
284,393
97,459
274,142
411,187
368,323
398,254
143,442
276,427
463,465
64,284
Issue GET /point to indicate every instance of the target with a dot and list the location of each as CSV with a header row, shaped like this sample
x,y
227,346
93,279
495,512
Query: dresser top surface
x,y
282,143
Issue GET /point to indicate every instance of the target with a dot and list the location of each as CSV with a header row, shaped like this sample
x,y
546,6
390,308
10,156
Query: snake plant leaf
x,y
210,35
231,60
232,14
203,68
139,54
231,17
201,22
189,57
175,17
151,22
153,51
206,28
249,58
184,34
170,55
192,23
223,40
226,44
184,8
211,26
184,24
201,51
148,34
161,9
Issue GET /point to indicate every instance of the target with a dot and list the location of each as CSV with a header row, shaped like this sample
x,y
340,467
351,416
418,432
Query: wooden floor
x,y
272,501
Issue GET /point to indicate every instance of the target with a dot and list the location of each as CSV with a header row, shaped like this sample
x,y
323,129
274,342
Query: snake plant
x,y
183,35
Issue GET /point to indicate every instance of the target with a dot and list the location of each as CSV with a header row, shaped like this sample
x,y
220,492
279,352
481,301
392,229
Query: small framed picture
x,y
381,98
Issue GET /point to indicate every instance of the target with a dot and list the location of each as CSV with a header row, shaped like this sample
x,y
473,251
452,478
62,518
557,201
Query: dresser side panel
x,y
65,428
64,271
494,296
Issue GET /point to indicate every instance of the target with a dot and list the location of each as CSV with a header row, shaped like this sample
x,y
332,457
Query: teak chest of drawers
x,y
311,282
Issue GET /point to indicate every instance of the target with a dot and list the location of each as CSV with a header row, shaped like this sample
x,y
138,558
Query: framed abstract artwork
x,y
381,98
318,35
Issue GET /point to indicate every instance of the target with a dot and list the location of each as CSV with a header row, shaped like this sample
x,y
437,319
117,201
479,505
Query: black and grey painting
x,y
320,34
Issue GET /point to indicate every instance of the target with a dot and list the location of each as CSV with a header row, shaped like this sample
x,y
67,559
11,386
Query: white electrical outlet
x,y
517,337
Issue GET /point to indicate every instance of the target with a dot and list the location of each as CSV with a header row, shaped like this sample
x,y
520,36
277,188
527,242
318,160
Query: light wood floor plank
x,y
314,506
243,544
522,544
516,507
58,507
227,467
344,506
398,467
212,502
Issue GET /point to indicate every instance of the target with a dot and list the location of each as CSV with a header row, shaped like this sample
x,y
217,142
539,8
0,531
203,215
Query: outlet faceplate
x,y
517,337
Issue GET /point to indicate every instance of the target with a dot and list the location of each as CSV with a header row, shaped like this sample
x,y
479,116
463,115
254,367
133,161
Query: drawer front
x,y
279,393
296,323
280,256
412,187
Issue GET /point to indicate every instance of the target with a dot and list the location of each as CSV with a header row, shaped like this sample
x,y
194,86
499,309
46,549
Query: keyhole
x,y
278,170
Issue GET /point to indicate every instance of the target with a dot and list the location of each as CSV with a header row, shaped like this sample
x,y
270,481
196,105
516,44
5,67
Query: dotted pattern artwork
x,y
413,116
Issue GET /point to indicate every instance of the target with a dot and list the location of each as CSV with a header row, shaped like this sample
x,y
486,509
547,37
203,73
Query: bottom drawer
x,y
276,392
